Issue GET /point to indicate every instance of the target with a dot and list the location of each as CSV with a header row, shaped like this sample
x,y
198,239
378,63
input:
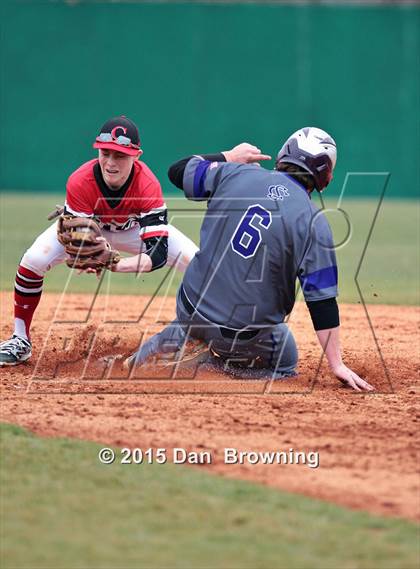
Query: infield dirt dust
x,y
368,444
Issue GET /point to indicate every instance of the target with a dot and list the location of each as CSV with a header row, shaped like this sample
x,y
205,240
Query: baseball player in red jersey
x,y
123,195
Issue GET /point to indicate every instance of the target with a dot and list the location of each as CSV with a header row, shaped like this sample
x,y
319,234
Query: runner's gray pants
x,y
270,353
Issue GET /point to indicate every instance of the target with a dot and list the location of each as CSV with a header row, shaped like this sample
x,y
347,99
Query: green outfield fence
x,y
201,77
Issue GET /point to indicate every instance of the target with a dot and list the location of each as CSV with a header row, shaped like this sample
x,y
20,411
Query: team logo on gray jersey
x,y
277,192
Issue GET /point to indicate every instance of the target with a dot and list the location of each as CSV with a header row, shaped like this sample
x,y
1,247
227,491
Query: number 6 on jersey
x,y
247,237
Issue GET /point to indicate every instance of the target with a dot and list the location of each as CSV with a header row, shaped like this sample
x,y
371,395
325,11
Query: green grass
x,y
61,508
389,273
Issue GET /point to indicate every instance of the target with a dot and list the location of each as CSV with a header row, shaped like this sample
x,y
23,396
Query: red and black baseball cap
x,y
120,134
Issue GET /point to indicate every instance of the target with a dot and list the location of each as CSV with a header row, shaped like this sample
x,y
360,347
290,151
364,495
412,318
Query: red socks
x,y
28,290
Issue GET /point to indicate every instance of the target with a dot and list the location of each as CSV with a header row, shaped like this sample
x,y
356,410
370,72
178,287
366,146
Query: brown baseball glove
x,y
84,244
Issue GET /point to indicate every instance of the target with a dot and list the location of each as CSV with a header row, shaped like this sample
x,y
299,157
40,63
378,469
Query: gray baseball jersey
x,y
260,233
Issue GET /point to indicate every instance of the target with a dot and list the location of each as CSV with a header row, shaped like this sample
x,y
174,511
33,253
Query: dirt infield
x,y
367,444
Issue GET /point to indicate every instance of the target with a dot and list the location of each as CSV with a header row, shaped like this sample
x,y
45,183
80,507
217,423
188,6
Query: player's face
x,y
115,166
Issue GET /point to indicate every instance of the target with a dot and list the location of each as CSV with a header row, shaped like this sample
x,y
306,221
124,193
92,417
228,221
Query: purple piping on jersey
x,y
324,278
199,178
298,183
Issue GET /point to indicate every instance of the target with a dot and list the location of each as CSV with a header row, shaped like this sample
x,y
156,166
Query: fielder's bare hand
x,y
245,153
351,379
90,271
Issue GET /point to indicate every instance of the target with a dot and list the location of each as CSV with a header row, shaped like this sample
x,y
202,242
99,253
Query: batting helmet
x,y
314,151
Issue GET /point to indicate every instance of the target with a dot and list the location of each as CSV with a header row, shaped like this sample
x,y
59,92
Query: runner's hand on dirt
x,y
351,379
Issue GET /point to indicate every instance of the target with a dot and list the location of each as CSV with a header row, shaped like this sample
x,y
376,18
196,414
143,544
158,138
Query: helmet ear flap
x,y
327,181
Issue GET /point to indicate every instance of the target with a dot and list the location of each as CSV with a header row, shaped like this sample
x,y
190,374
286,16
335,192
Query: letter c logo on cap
x,y
114,130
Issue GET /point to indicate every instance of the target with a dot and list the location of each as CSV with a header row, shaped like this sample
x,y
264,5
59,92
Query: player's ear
x,y
139,154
